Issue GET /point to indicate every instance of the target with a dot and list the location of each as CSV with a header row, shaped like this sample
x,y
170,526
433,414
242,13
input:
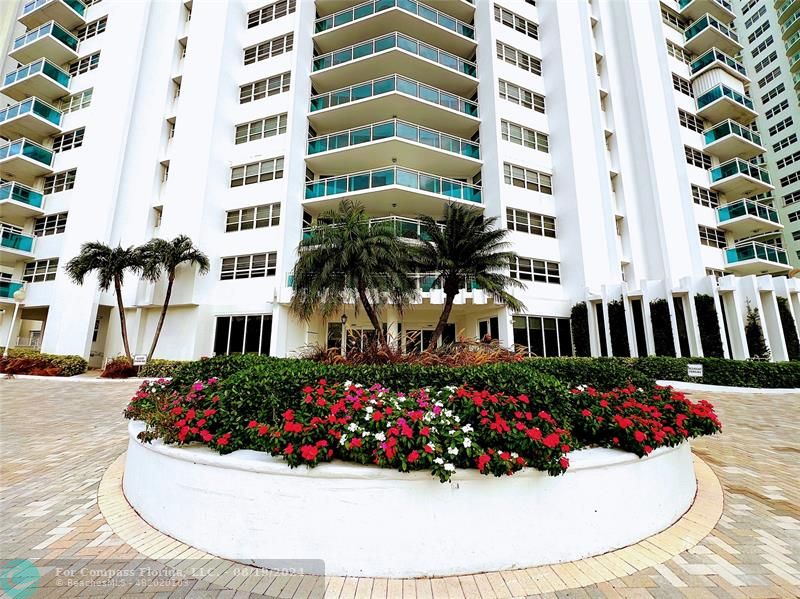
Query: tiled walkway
x,y
57,439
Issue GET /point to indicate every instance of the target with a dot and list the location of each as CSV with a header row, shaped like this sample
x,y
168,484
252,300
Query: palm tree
x,y
160,255
467,248
350,260
110,264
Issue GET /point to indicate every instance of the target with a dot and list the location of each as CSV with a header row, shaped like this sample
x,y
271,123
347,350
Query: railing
x,y
21,193
394,128
9,288
32,106
713,55
14,240
730,127
27,148
390,84
405,228
43,66
720,90
393,175
723,3
790,42
783,8
708,21
755,250
790,21
52,28
738,166
76,5
423,281
395,40
746,207
375,6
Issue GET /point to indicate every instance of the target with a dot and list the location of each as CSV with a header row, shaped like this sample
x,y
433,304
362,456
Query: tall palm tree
x,y
162,256
467,248
110,263
350,261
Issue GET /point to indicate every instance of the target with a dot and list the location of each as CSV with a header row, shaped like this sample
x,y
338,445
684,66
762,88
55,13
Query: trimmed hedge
x,y
619,328
662,328
720,371
579,319
789,329
160,369
708,324
29,361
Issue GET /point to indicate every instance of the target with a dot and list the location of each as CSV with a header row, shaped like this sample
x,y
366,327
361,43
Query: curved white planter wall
x,y
365,521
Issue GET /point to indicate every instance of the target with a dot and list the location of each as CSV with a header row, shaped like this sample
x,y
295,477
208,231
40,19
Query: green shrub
x,y
721,371
662,328
579,320
31,361
600,373
789,329
708,323
756,344
618,328
159,369
69,365
219,366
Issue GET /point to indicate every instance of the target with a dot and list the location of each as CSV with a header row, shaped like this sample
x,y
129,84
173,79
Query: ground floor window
x,y
415,339
243,334
543,335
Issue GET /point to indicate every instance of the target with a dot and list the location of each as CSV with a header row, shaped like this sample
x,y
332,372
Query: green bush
x,y
789,329
220,367
708,324
159,369
69,365
662,328
720,371
601,373
618,328
579,320
31,361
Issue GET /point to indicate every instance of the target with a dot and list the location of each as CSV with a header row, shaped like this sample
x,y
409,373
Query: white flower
x,y
432,446
438,461
352,427
448,413
380,436
450,467
452,432
368,409
342,439
453,450
365,434
467,442
467,428
514,454
347,384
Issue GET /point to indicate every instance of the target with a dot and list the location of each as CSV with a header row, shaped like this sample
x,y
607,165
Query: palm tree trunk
x,y
443,318
162,318
372,315
123,325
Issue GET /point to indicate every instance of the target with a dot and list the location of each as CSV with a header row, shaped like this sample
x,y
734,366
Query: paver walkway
x,y
58,438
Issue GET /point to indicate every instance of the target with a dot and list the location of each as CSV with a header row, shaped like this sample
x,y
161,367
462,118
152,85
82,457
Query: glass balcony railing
x,y
27,148
755,250
9,288
405,228
792,40
704,23
13,240
423,281
21,193
76,5
390,84
790,21
713,55
719,91
52,28
738,166
746,207
730,127
393,175
394,128
376,6
31,106
43,66
723,3
395,40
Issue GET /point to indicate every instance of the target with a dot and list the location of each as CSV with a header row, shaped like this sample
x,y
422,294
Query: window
x,y
530,269
268,49
51,224
769,77
270,12
705,197
790,159
791,198
690,121
793,217
761,29
697,158
519,95
92,29
84,64
518,58
760,12
509,19
519,176
76,101
714,272
778,108
62,181
243,334
787,122
523,136
89,3
248,267
762,46
789,179
682,85
676,51
256,217
543,335
709,236
672,19
530,222
257,172
760,65
796,235
69,140
268,127
40,270
264,87
773,93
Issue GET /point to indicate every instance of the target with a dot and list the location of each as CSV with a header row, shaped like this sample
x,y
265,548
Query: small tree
x,y
663,338
789,329
756,344
579,320
618,328
110,264
161,256
708,323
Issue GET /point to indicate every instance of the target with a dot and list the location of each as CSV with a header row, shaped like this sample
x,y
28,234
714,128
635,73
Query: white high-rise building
x,y
612,138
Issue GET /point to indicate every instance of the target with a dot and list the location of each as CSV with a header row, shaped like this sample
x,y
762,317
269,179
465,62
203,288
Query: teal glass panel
x,y
358,182
430,138
383,130
338,141
360,136
16,241
384,43
406,86
315,146
407,178
56,74
342,18
9,288
383,177
382,86
407,131
407,43
335,185
22,194
77,6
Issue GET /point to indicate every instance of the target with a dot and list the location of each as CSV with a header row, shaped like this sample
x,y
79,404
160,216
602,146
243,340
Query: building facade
x,y
613,139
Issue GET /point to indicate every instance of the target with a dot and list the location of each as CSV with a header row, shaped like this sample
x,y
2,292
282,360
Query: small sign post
x,y
140,359
694,370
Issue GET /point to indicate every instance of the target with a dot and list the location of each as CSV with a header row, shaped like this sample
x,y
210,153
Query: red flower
x,y
209,412
534,433
564,463
190,414
309,452
552,440
223,440
355,443
412,457
252,424
483,459
288,415
262,430
289,449
376,416
206,436
177,411
639,436
586,412
425,431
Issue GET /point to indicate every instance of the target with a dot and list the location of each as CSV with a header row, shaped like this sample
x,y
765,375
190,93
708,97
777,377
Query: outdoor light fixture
x,y
344,337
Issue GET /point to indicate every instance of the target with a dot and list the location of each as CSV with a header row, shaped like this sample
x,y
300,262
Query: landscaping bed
x,y
30,361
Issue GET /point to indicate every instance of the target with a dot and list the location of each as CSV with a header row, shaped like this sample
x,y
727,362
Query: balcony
x,y
24,160
717,59
378,144
784,8
793,44
460,9
395,53
408,229
754,258
68,13
378,17
19,202
721,103
14,246
729,139
791,25
706,33
31,118
48,41
796,79
745,217
794,63
738,178
390,189
41,78
371,101
694,9
8,289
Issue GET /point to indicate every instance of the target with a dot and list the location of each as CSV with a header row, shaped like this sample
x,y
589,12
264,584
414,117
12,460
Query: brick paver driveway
x,y
57,438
